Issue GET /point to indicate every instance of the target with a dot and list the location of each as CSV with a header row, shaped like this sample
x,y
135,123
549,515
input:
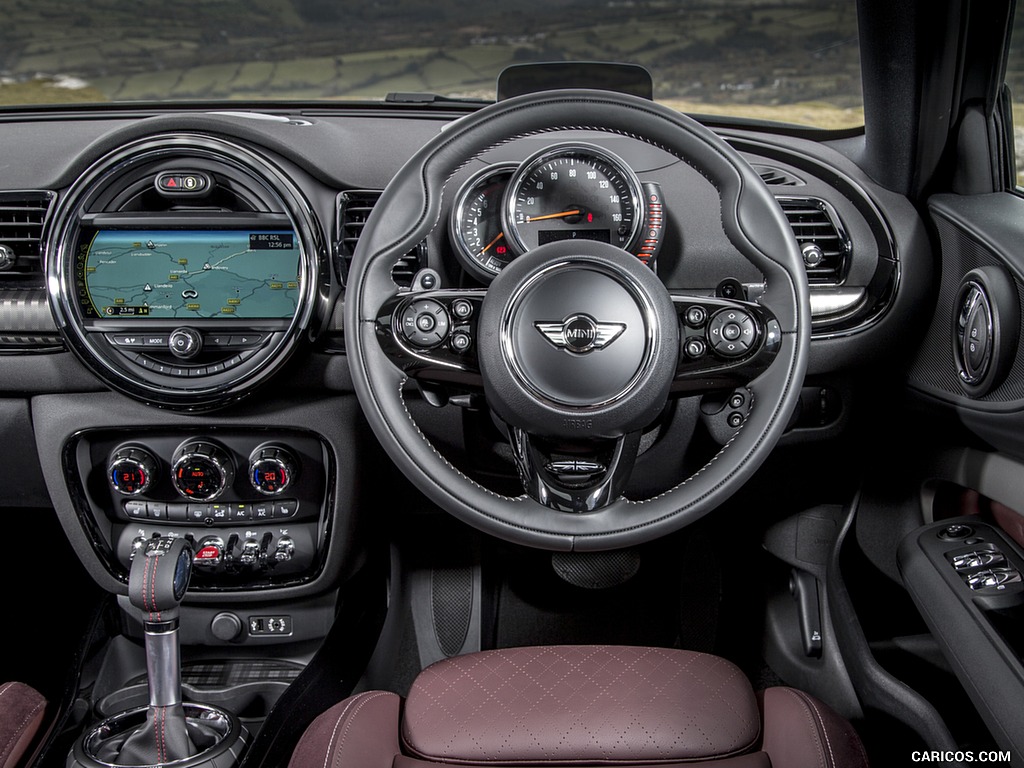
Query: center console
x,y
251,502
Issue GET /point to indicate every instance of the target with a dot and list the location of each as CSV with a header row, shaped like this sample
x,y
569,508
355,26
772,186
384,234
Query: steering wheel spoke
x,y
432,335
581,476
724,343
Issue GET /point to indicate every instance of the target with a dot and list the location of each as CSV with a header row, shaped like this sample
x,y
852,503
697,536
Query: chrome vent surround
x,y
22,215
777,177
354,207
823,241
25,320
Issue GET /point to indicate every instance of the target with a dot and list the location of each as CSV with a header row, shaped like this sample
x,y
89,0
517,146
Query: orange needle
x,y
560,215
488,246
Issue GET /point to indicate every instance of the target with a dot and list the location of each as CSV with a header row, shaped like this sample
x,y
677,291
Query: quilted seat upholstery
x,y
579,706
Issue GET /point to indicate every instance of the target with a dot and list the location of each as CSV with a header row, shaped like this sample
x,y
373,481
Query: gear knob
x,y
159,577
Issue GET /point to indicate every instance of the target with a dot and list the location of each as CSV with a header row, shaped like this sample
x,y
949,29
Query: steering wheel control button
x,y
735,420
462,309
271,469
201,470
737,400
131,470
185,343
425,323
695,348
461,341
732,332
696,316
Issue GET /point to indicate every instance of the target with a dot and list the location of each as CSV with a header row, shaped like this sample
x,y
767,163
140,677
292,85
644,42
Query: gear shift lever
x,y
204,735
156,586
157,583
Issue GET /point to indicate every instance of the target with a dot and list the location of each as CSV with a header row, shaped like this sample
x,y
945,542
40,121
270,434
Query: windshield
x,y
794,62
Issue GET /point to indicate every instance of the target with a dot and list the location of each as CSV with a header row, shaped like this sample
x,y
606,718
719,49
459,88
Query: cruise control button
x,y
462,309
425,323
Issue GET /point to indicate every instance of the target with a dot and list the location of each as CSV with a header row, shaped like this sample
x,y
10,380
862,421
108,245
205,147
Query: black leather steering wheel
x,y
577,346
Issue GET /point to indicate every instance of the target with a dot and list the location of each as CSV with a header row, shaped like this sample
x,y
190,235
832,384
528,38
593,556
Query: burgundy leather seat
x,y
22,711
578,706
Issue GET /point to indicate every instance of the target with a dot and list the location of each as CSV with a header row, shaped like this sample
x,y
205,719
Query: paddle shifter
x,y
157,582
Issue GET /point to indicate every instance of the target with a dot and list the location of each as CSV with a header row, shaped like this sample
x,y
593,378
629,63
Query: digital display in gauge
x,y
188,274
476,225
573,191
555,235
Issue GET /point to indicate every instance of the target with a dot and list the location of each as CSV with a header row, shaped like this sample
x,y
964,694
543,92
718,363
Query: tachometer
x,y
476,229
573,191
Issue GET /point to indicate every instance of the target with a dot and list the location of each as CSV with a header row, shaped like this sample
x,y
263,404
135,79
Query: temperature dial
x,y
201,470
131,470
271,469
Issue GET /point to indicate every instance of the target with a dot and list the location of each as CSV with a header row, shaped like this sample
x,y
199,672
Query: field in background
x,y
788,61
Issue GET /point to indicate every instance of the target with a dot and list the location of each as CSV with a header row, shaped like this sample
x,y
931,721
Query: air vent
x,y
822,239
353,210
776,177
21,228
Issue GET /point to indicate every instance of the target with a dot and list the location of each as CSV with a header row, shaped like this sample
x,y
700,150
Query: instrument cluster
x,y
569,191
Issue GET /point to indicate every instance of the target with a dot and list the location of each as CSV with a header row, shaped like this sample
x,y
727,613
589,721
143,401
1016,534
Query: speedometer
x,y
572,192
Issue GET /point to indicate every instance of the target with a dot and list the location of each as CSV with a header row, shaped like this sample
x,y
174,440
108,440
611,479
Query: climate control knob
x,y
201,470
131,470
271,469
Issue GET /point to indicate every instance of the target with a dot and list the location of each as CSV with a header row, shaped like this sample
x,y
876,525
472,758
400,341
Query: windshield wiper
x,y
413,97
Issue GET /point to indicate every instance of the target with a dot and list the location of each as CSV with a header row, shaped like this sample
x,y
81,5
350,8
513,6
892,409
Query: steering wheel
x,y
576,345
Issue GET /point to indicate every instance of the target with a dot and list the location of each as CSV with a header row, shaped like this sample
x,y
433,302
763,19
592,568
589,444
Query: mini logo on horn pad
x,y
580,333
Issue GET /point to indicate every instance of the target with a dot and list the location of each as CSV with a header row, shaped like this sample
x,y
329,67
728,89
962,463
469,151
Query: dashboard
x,y
174,317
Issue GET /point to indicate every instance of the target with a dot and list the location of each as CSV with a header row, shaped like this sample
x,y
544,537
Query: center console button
x,y
131,470
201,470
185,342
